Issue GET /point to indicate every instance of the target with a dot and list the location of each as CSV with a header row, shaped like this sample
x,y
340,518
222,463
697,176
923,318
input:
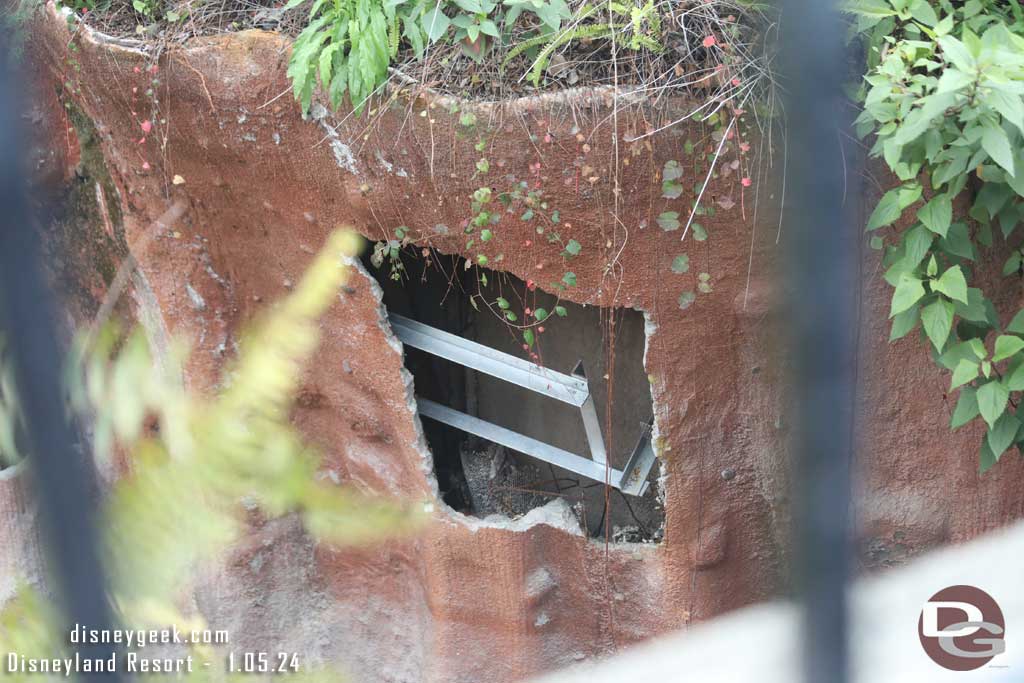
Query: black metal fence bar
x,y
64,481
821,246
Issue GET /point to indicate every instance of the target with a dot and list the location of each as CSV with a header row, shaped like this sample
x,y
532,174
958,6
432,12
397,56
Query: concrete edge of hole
x,y
659,412
557,513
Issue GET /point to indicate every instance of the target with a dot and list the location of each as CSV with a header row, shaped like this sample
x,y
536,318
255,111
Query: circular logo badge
x,y
962,628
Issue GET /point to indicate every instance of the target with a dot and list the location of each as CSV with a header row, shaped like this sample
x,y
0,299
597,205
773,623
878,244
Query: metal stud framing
x,y
572,389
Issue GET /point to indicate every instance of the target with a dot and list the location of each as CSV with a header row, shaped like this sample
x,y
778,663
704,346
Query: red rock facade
x,y
231,191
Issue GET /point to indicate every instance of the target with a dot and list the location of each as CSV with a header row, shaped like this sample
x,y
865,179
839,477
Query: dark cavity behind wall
x,y
479,478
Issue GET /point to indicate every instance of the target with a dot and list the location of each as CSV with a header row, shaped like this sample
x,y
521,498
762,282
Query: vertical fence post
x,y
64,481
820,240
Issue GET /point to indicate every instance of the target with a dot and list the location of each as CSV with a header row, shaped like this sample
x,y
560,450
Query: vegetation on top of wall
x,y
478,48
348,45
943,97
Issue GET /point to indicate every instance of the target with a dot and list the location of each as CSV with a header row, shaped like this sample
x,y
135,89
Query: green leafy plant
x,y
641,30
550,12
349,44
195,461
943,97
474,25
147,8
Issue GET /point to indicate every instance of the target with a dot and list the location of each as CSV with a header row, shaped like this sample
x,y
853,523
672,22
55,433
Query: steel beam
x,y
518,442
565,388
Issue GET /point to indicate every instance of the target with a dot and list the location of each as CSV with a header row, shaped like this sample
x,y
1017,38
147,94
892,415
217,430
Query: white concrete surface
x,y
761,644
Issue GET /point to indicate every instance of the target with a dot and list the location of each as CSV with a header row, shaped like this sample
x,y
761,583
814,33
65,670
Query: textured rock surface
x,y
228,196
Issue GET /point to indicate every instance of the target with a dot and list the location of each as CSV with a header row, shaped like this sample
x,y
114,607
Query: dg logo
x,y
962,628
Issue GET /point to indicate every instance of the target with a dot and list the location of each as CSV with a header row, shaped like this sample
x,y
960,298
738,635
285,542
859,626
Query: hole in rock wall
x,y
479,476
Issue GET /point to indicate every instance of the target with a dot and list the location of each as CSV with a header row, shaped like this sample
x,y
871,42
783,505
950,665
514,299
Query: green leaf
x,y
671,171
572,248
992,398
887,211
986,459
1009,217
878,9
966,371
681,264
511,317
952,284
958,242
996,143
904,323
1015,381
669,221
486,235
528,337
937,320
957,53
991,199
917,241
569,279
937,214
908,292
490,28
1008,104
686,300
966,408
503,303
560,311
1016,325
1006,346
699,233
1012,264
924,13
435,23
1002,434
540,314
974,309
671,189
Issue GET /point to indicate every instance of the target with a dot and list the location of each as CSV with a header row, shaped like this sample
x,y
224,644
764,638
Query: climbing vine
x,y
518,199
943,98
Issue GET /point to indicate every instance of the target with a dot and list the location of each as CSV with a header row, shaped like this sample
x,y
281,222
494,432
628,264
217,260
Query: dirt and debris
x,y
686,59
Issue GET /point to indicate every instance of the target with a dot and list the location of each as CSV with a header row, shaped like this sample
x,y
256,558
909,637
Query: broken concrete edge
x,y
762,643
660,415
12,472
578,96
557,513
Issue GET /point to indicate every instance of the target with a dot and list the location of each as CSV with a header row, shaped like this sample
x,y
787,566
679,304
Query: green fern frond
x,y
591,31
524,46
